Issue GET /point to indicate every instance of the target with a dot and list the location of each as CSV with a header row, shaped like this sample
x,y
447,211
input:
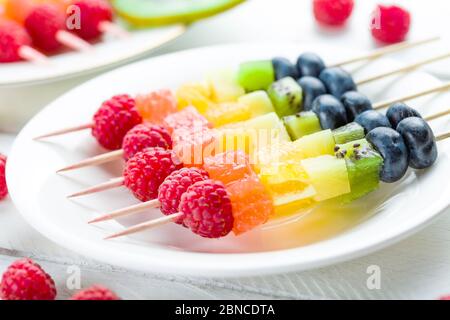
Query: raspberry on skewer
x,y
96,18
205,208
46,24
142,175
15,44
111,122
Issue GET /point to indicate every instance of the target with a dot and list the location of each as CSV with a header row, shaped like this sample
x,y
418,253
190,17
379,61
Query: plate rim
x,y
274,267
177,30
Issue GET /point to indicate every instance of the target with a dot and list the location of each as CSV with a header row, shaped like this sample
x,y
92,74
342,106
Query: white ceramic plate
x,y
106,54
320,237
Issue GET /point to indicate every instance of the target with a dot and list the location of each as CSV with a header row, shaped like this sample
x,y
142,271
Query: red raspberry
x,y
3,186
92,13
445,298
43,23
144,136
146,171
95,293
114,119
332,12
207,209
390,24
12,37
175,185
26,280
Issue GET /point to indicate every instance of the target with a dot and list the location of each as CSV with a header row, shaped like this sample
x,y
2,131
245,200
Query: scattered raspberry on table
x,y
3,186
332,12
95,292
390,24
26,280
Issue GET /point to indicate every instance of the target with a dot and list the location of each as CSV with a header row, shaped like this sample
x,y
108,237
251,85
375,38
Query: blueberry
x,y
390,144
420,140
399,111
330,111
284,68
355,103
372,119
310,64
337,81
312,88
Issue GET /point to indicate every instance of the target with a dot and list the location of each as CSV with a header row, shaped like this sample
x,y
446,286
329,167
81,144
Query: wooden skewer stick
x,y
72,41
386,103
443,136
437,115
113,29
386,50
113,183
64,131
127,211
30,54
103,158
406,68
146,225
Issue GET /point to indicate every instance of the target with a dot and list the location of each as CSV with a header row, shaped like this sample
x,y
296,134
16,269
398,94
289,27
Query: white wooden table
x,y
415,268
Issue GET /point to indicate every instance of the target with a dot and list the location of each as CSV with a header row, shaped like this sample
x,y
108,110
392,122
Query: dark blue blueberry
x,y
330,111
284,68
390,144
337,81
399,111
372,119
420,140
312,88
310,64
355,103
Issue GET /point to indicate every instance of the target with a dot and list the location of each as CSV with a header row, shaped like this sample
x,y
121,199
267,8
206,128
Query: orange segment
x,y
156,105
228,167
252,206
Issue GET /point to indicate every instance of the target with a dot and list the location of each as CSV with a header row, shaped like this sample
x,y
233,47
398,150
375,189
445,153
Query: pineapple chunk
x,y
260,132
198,95
224,86
287,182
328,175
258,102
313,145
228,112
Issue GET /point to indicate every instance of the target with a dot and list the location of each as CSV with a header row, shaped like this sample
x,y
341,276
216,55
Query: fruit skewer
x,y
15,44
93,124
413,144
46,24
355,101
96,18
402,113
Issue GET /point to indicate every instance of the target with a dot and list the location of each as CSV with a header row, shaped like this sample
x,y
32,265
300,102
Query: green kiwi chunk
x,y
302,124
287,96
348,133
